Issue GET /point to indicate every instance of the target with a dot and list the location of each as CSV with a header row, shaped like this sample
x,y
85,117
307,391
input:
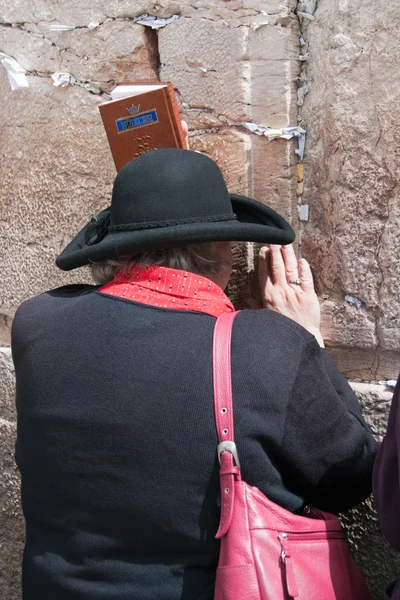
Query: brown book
x,y
142,116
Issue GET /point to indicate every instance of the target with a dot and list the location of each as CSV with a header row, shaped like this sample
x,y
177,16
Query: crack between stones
x,y
301,85
224,119
91,89
252,13
151,38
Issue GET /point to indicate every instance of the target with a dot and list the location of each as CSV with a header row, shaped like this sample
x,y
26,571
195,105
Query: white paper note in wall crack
x,y
15,72
154,22
57,27
63,79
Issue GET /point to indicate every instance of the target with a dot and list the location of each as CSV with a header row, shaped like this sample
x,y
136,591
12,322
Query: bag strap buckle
x,y
228,446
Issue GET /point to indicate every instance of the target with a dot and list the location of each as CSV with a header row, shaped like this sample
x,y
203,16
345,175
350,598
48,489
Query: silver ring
x,y
296,281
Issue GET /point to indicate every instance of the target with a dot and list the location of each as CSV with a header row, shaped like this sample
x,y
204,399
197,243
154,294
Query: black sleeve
x,y
386,480
327,450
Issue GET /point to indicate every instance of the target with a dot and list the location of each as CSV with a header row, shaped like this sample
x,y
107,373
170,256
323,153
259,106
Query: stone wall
x,y
352,167
232,63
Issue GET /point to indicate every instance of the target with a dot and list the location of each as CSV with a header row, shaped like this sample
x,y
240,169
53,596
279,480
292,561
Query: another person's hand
x,y
278,268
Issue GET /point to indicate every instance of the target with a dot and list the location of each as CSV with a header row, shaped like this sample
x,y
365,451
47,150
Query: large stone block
x,y
11,522
211,70
352,165
346,325
272,54
243,73
75,13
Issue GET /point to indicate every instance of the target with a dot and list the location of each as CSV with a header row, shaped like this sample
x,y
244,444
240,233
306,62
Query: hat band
x,y
169,223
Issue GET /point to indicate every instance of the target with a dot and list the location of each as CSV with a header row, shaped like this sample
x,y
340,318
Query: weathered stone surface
x,y
240,73
379,563
75,13
211,69
253,13
7,385
231,151
375,400
11,521
81,14
352,163
272,54
56,171
5,330
114,51
30,51
345,325
272,175
364,364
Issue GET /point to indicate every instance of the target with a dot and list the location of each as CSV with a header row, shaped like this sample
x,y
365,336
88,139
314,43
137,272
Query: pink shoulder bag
x,y
268,553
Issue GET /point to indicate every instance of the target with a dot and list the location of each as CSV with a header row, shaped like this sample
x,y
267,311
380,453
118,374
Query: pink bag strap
x,y
227,452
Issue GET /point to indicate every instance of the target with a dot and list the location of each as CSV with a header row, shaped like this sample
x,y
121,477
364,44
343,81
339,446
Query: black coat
x,y
117,443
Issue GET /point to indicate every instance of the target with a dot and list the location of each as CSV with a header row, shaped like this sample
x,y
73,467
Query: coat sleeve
x,y
327,448
386,483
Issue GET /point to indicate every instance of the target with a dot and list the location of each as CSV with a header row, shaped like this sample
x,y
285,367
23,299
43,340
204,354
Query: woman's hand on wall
x,y
278,268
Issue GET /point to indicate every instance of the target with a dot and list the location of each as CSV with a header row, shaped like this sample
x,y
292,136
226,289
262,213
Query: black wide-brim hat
x,y
171,197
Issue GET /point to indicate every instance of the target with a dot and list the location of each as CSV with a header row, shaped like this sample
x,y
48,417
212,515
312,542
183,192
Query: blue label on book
x,y
145,118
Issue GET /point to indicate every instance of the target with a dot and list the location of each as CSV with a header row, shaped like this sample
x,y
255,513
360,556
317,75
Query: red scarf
x,y
169,288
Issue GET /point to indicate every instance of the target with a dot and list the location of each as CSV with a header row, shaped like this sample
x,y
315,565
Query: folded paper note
x,y
15,72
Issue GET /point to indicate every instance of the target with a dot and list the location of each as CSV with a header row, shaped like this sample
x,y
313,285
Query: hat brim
x,y
254,222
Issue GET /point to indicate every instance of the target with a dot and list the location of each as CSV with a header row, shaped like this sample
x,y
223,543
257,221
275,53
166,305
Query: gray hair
x,y
195,258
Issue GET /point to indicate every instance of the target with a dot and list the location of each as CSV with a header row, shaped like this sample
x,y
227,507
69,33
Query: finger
x,y
277,265
185,128
264,268
264,273
290,260
307,281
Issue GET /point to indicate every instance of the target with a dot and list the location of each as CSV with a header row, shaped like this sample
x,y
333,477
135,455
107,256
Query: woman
x,y
116,433
386,483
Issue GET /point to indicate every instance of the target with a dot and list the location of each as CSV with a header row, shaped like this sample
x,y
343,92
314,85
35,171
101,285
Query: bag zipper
x,y
286,557
287,562
313,535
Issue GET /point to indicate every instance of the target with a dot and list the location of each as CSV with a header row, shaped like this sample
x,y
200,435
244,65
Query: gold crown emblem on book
x,y
133,109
